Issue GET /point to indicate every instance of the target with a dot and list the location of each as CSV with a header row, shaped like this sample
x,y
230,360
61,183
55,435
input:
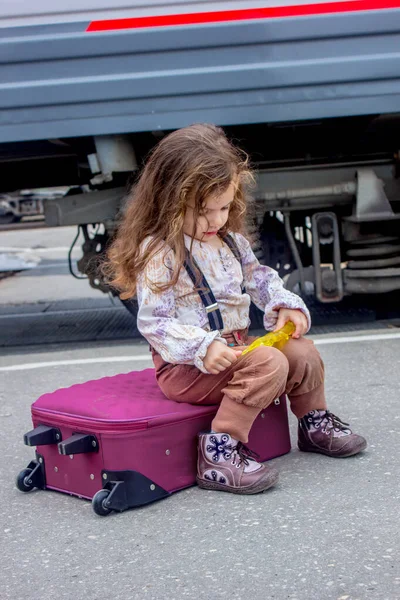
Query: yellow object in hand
x,y
277,339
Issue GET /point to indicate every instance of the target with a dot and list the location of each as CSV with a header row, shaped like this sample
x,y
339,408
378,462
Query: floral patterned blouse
x,y
175,322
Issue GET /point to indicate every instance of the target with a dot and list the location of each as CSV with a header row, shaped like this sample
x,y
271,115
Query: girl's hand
x,y
219,357
297,317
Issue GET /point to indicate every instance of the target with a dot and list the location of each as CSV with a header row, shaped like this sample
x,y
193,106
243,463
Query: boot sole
x,y
255,489
328,453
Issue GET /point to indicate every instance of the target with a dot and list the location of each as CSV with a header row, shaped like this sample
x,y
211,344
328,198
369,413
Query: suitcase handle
x,y
79,443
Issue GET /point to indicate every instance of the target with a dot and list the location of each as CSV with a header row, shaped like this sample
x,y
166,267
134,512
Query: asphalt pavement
x,y
328,531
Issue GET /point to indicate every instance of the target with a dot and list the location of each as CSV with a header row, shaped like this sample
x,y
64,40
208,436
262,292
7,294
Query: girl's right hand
x,y
219,357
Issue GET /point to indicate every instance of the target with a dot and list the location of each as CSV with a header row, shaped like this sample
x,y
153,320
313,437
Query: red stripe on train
x,y
273,12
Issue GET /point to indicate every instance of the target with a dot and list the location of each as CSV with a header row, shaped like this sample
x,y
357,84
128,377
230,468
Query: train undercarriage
x,y
325,210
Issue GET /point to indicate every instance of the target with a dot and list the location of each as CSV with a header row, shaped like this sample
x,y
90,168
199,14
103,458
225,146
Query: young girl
x,y
181,250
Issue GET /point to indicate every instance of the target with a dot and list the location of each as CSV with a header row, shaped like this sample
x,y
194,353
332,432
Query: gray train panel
x,y
60,81
20,13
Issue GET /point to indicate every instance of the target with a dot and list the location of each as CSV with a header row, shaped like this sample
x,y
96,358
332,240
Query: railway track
x,y
58,324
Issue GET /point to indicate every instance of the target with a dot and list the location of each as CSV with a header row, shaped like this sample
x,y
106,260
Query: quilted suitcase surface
x,y
119,441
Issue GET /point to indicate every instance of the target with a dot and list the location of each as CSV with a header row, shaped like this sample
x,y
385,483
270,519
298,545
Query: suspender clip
x,y
211,307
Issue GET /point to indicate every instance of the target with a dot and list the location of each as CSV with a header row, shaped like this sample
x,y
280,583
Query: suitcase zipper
x,y
89,424
93,425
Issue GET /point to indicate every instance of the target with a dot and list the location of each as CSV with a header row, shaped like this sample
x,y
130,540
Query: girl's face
x,y
213,216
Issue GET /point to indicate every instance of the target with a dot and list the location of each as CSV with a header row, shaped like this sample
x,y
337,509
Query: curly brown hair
x,y
193,163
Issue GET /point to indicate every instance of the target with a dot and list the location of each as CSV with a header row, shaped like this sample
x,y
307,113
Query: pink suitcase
x,y
120,442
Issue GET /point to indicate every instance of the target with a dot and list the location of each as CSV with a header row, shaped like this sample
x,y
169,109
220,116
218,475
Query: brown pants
x,y
250,384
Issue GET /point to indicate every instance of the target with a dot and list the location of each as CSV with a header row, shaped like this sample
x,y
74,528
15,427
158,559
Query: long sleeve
x,y
176,341
265,287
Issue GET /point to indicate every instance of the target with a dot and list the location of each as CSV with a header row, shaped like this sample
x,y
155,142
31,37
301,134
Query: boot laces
x,y
332,422
243,454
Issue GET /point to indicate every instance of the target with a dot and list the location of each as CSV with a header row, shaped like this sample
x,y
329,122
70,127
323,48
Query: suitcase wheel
x,y
24,481
99,503
32,477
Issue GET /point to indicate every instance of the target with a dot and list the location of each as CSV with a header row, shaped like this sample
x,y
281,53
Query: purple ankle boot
x,y
323,432
227,465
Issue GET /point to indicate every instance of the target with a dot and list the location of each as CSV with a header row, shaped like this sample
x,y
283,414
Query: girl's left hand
x,y
297,317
